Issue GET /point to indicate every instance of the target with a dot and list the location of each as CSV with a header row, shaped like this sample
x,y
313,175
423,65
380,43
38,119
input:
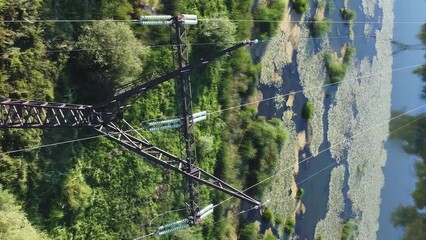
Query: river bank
x,y
331,124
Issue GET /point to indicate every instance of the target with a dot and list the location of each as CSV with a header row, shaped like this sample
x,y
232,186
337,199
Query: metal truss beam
x,y
184,100
32,114
145,149
36,114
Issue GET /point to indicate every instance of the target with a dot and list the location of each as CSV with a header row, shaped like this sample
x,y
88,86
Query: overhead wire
x,y
210,113
308,89
76,140
220,111
324,150
169,45
321,170
305,21
306,159
32,21
59,50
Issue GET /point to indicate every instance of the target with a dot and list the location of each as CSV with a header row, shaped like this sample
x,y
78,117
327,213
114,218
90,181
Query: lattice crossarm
x,y
170,161
15,113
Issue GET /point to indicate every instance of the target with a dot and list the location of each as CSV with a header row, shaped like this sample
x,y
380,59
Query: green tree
x,y
117,9
76,190
403,216
112,57
411,220
419,194
221,33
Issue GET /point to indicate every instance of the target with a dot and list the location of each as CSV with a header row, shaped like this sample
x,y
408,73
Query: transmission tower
x,y
107,118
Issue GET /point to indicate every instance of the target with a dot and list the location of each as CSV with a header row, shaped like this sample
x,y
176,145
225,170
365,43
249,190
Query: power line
x,y
308,177
335,163
319,171
209,113
58,50
31,21
302,91
305,21
324,150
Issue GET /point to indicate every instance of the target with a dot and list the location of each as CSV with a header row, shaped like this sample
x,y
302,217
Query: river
x,y
399,170
405,95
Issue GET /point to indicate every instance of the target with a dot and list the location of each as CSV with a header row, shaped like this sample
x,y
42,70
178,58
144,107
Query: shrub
x,y
308,111
269,235
300,5
290,225
300,193
279,220
350,53
349,230
347,14
268,215
336,71
321,27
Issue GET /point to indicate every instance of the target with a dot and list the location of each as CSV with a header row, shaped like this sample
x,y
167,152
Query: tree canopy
x,y
112,56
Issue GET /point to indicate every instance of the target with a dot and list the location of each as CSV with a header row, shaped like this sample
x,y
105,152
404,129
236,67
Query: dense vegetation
x,y
95,189
271,13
